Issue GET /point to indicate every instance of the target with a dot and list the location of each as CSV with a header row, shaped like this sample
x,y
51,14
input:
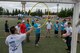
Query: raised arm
x,y
29,30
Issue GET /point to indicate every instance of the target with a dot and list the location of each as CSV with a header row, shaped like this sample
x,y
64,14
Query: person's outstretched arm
x,y
29,30
23,36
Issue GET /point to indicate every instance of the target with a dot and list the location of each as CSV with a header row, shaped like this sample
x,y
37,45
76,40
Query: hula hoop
x,y
48,13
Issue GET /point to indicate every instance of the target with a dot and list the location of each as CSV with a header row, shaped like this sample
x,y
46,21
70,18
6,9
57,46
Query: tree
x,y
19,11
65,12
13,13
29,12
7,12
16,11
1,10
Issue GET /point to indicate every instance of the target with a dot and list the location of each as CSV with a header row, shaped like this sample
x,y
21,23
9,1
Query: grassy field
x,y
47,45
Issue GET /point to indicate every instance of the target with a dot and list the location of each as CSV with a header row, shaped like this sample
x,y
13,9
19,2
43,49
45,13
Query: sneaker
x,y
66,49
36,45
46,36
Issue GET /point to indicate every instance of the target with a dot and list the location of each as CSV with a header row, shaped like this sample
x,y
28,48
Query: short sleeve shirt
x,y
49,25
14,42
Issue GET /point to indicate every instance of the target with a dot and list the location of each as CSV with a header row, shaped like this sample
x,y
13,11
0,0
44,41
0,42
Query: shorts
x,y
48,29
32,24
62,31
56,32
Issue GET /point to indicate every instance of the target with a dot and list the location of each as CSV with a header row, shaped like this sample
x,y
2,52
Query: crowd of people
x,y
22,31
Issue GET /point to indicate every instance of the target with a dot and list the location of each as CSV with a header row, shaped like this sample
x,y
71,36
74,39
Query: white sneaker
x,y
36,45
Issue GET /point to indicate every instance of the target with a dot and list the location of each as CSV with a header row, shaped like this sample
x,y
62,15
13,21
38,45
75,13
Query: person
x,y
69,36
65,23
33,22
14,40
49,27
22,27
56,28
37,32
62,27
6,28
18,27
27,29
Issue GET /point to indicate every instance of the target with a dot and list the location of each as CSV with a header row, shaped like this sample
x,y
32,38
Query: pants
x,y
68,42
56,32
28,35
37,38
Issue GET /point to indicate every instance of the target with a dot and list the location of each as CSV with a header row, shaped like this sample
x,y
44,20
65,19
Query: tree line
x,y
63,13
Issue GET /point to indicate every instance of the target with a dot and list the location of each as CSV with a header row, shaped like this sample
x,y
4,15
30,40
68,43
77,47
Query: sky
x,y
29,5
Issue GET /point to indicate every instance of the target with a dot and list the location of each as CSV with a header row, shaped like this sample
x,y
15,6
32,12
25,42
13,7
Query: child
x,y
49,27
22,27
18,27
33,22
69,36
56,28
62,27
6,27
27,29
37,32
64,35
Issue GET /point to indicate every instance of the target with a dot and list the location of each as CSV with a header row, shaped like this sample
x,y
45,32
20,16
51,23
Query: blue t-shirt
x,y
56,26
37,29
28,26
62,26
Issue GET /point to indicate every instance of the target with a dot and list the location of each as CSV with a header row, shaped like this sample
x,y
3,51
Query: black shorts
x,y
56,32
32,23
62,31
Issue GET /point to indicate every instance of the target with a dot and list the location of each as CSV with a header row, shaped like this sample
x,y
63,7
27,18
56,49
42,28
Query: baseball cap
x,y
23,20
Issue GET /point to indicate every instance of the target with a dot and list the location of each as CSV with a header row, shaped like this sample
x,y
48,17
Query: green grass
x,y
47,45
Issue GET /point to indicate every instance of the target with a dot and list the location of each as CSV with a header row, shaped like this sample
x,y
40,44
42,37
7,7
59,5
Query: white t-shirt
x,y
18,28
14,42
49,25
69,30
66,24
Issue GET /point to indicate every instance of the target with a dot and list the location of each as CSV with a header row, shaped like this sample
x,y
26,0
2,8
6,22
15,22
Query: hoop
x,y
48,12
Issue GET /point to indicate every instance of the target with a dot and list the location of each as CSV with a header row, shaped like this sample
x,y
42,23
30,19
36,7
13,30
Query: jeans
x,y
68,42
37,38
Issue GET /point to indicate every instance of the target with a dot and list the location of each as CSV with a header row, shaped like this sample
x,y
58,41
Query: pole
x,y
23,6
57,8
74,30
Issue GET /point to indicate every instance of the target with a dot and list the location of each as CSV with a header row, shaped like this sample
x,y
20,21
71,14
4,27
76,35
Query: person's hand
x,y
39,27
31,27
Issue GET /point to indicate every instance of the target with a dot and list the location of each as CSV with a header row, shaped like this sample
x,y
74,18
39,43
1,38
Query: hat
x,y
23,20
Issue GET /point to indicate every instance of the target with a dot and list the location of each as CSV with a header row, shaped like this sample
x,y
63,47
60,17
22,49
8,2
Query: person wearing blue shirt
x,y
62,27
56,28
33,22
37,32
27,29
